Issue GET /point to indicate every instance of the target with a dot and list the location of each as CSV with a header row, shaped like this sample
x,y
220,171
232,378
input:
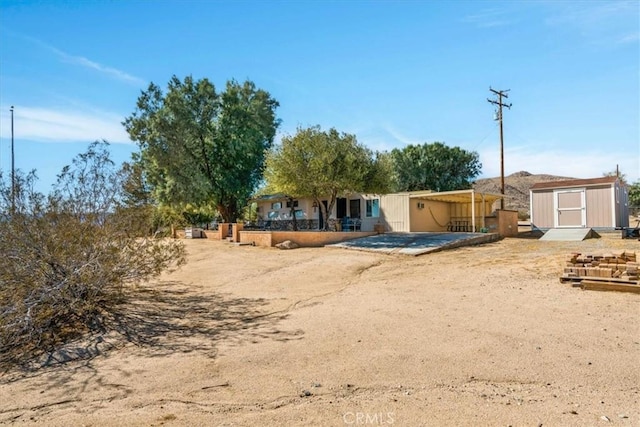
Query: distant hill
x,y
516,188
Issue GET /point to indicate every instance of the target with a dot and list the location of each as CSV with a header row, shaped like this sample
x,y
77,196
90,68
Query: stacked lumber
x,y
617,271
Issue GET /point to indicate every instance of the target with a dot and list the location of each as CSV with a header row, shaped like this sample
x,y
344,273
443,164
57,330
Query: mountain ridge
x,y
516,188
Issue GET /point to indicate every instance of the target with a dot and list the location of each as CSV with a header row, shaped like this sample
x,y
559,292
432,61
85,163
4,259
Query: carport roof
x,y
458,196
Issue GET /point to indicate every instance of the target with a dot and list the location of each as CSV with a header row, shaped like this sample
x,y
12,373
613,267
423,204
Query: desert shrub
x,y
67,257
523,215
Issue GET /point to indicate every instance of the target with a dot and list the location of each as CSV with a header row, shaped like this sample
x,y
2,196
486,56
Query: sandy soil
x,y
249,336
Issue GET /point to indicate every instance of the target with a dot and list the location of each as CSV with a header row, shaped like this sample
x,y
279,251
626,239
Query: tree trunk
x,y
323,212
226,212
293,214
332,202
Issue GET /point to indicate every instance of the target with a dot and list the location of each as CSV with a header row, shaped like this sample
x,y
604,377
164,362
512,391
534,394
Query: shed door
x,y
570,208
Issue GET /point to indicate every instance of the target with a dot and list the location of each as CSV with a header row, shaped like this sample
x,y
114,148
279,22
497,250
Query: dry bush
x,y
67,257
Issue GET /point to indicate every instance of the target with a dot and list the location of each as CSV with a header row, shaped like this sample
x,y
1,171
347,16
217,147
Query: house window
x,y
299,214
295,204
354,208
276,205
273,215
373,208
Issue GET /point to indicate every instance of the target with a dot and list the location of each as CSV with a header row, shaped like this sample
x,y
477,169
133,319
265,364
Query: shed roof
x,y
574,183
458,196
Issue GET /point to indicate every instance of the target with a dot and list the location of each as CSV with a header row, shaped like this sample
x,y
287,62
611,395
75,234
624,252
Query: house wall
x,y
368,223
397,213
309,212
404,214
434,216
394,212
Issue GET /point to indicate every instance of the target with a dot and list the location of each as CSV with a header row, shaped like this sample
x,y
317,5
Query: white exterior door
x,y
570,208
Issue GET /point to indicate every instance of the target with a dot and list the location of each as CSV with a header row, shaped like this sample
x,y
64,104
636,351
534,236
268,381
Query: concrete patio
x,y
416,243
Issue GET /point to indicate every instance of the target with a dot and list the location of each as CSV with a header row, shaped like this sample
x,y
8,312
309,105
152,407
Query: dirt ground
x,y
246,336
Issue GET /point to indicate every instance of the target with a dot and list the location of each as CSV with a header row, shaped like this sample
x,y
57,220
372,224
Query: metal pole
x,y
501,151
500,93
13,169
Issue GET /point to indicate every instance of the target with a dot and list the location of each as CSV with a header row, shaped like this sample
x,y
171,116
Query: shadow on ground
x,y
530,234
164,318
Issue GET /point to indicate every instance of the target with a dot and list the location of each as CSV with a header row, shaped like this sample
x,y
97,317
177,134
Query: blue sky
x,y
392,73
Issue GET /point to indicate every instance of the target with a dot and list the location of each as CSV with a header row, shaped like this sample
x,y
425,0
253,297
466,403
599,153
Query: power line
x,y
500,94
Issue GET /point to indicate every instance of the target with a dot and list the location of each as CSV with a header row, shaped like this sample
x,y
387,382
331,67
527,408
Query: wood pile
x,y
616,271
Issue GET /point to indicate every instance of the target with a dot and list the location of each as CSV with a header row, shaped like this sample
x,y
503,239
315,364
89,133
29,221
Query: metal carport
x,y
470,198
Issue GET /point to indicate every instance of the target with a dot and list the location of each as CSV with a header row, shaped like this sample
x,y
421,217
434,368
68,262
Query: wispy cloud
x,y
614,22
629,38
489,18
399,137
57,125
88,63
590,13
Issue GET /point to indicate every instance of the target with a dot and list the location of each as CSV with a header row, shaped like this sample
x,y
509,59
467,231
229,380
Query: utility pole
x,y
500,104
13,170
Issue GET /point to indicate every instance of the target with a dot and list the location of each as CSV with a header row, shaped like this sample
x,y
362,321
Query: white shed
x,y
600,203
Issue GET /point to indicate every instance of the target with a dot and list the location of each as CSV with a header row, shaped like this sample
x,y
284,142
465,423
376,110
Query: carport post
x,y
473,211
484,211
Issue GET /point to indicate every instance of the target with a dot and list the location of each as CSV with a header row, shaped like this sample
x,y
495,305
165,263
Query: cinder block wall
x,y
507,223
302,238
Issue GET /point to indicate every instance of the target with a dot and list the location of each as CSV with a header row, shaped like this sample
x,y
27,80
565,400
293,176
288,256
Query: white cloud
x,y
60,125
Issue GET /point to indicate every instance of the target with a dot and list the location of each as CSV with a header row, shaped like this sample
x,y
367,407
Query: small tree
x,y
318,164
618,174
67,258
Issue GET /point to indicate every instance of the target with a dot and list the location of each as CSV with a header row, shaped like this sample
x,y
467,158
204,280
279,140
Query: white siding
x,y
394,212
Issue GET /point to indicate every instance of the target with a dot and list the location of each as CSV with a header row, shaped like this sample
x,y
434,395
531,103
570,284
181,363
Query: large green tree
x,y
324,164
434,167
199,146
